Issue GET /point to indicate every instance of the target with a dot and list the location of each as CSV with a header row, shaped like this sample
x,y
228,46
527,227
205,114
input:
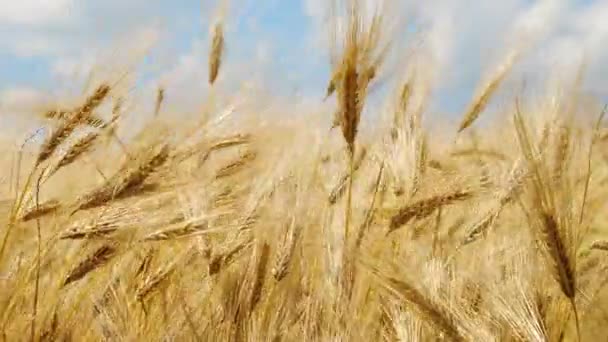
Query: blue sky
x,y
47,47
282,26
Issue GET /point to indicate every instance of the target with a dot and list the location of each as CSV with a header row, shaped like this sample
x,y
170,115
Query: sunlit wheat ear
x,y
486,92
285,254
209,148
424,208
40,210
100,257
401,112
237,165
216,146
223,260
92,120
58,135
128,177
93,231
153,282
216,52
601,245
176,231
358,66
65,128
481,227
144,264
79,148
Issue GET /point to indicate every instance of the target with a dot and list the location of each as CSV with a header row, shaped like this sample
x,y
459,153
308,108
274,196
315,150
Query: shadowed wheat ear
x,y
100,257
562,263
66,127
216,52
481,100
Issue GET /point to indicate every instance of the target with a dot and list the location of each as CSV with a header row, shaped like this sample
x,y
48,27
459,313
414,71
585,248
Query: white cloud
x,y
20,104
125,52
35,12
14,98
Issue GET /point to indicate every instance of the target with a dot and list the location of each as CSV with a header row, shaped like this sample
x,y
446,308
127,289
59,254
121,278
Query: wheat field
x,y
353,222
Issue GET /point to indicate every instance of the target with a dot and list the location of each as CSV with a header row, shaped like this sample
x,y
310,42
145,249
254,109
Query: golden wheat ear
x,y
485,93
96,260
423,208
216,52
65,128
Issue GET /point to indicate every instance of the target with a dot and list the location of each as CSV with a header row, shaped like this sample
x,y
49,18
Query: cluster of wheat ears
x,y
257,231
